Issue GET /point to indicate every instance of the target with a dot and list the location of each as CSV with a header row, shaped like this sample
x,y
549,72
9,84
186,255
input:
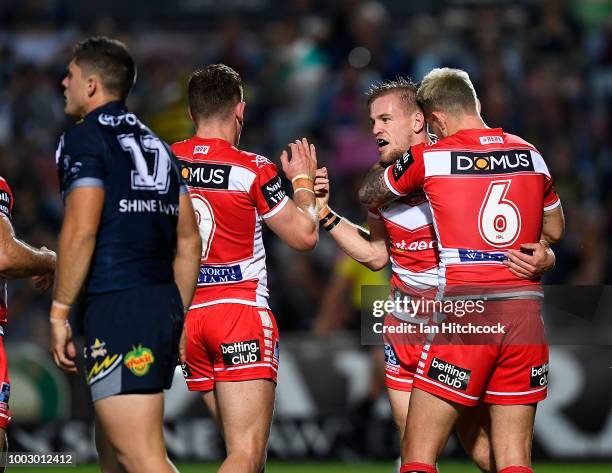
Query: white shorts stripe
x,y
496,393
399,379
266,321
256,365
198,379
446,387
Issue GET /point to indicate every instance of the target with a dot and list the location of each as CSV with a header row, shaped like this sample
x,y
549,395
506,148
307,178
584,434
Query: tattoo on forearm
x,y
374,191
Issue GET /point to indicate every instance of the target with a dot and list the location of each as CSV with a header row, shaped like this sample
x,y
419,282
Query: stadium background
x,y
543,70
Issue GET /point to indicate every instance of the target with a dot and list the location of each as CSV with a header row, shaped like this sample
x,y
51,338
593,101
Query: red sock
x,y
419,468
516,469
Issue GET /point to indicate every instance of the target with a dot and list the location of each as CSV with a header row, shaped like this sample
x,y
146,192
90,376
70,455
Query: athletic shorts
x,y
229,342
402,353
131,340
5,386
510,367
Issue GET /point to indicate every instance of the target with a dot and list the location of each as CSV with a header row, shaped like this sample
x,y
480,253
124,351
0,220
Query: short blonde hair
x,y
447,90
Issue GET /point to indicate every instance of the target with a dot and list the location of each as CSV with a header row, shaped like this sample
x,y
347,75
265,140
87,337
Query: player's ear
x,y
438,119
93,83
190,114
478,107
239,112
419,122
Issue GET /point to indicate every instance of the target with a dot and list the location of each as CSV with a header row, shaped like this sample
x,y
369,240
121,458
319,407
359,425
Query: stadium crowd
x,y
543,70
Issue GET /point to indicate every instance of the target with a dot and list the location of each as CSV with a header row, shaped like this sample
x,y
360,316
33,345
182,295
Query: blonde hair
x,y
447,90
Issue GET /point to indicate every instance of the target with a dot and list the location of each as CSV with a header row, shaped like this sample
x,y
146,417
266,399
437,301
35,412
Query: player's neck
x,y
97,102
465,122
210,131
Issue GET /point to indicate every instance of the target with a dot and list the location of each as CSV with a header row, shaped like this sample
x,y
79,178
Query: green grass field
x,y
278,467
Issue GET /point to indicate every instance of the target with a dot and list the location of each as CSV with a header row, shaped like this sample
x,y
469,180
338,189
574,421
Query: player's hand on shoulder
x,y
533,260
301,159
321,187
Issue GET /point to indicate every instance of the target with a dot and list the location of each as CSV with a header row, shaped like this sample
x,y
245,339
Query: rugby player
x,y
17,260
402,232
231,353
490,194
130,238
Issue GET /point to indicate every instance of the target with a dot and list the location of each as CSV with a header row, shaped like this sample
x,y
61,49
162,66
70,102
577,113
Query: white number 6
x,y
499,220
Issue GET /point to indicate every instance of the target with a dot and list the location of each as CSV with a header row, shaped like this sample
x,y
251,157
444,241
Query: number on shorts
x,y
499,220
206,222
159,180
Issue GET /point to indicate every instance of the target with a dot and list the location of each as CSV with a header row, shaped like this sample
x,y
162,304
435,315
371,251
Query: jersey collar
x,y
116,107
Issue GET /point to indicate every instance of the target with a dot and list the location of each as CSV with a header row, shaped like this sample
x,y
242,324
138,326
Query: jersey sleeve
x,y
267,191
408,172
551,198
6,199
80,159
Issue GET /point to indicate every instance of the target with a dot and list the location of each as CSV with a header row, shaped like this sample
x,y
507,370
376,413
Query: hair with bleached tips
x,y
447,90
404,87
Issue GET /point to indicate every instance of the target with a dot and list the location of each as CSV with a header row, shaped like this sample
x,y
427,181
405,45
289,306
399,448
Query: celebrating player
x,y
17,260
403,233
129,235
232,350
490,194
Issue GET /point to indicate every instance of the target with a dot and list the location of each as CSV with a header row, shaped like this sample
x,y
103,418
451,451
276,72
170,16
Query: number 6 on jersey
x,y
499,220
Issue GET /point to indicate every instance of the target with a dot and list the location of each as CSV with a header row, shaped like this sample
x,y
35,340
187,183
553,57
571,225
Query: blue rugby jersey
x,y
113,149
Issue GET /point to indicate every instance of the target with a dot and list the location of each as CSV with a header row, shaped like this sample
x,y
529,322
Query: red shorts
x,y
5,388
511,368
229,342
402,353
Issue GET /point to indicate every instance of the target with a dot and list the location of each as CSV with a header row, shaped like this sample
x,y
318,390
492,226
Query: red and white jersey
x,y
488,190
232,191
412,241
6,209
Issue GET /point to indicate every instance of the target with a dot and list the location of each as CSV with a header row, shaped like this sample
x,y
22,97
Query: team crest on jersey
x,y
139,360
103,368
260,161
493,162
402,165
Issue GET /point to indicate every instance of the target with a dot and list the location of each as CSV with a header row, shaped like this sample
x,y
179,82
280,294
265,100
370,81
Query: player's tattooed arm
x,y
374,191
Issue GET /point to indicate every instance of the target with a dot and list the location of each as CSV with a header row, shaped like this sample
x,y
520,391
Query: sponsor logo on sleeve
x,y
5,203
402,165
538,376
5,393
206,175
273,191
240,353
449,374
493,162
186,370
139,360
219,274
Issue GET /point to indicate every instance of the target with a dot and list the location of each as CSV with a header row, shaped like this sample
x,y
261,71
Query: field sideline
x,y
278,467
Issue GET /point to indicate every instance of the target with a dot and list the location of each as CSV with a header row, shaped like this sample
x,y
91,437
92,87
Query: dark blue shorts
x,y
131,340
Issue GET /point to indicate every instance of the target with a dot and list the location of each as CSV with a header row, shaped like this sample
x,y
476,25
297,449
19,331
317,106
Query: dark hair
x,y
406,89
213,91
111,60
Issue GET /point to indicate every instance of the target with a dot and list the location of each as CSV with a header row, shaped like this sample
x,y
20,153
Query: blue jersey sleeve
x,y
80,159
